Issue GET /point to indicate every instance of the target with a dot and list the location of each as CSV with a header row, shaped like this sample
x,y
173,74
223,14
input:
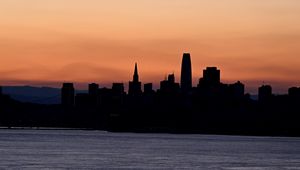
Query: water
x,y
78,149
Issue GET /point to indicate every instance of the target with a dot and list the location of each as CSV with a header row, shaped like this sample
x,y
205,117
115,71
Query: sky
x,y
47,42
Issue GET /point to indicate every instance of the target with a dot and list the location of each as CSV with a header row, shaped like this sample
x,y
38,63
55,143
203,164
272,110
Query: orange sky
x,y
46,42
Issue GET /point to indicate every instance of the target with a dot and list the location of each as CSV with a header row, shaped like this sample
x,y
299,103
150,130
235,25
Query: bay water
x,y
84,149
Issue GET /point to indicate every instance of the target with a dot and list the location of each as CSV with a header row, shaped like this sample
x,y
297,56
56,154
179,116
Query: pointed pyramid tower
x,y
135,88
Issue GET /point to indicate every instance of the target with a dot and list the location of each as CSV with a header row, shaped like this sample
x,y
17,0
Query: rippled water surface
x,y
78,149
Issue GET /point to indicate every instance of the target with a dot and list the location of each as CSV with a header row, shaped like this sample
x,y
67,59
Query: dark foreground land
x,y
277,116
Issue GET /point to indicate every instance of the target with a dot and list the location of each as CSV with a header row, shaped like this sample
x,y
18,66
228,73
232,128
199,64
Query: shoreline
x,y
147,132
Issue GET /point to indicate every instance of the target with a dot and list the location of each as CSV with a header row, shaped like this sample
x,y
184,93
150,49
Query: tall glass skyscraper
x,y
186,73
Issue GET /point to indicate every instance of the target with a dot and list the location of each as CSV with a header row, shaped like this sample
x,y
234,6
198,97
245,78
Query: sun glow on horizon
x,y
51,41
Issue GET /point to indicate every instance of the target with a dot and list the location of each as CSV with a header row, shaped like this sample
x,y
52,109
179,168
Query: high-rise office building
x,y
93,89
264,92
186,73
211,76
118,93
135,88
294,92
94,94
148,88
67,94
237,89
118,88
83,100
169,85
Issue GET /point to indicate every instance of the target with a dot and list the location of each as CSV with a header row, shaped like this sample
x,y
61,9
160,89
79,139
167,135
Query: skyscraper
x,y
148,88
264,92
211,76
186,73
135,88
93,89
67,94
118,88
94,94
169,85
237,90
118,94
294,92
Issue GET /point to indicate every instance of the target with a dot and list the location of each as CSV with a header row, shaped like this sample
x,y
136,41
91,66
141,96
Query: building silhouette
x,y
294,91
94,94
186,73
169,86
148,88
105,96
83,100
118,88
0,90
211,76
135,85
118,93
264,93
237,90
212,107
67,94
210,85
93,89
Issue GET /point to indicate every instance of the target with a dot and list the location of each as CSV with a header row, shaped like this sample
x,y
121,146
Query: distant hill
x,y
41,95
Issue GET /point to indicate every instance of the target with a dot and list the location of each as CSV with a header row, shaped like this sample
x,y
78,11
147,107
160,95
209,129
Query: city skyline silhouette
x,y
186,71
211,107
159,84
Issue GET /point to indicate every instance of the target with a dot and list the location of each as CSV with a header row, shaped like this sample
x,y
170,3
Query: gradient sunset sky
x,y
47,42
